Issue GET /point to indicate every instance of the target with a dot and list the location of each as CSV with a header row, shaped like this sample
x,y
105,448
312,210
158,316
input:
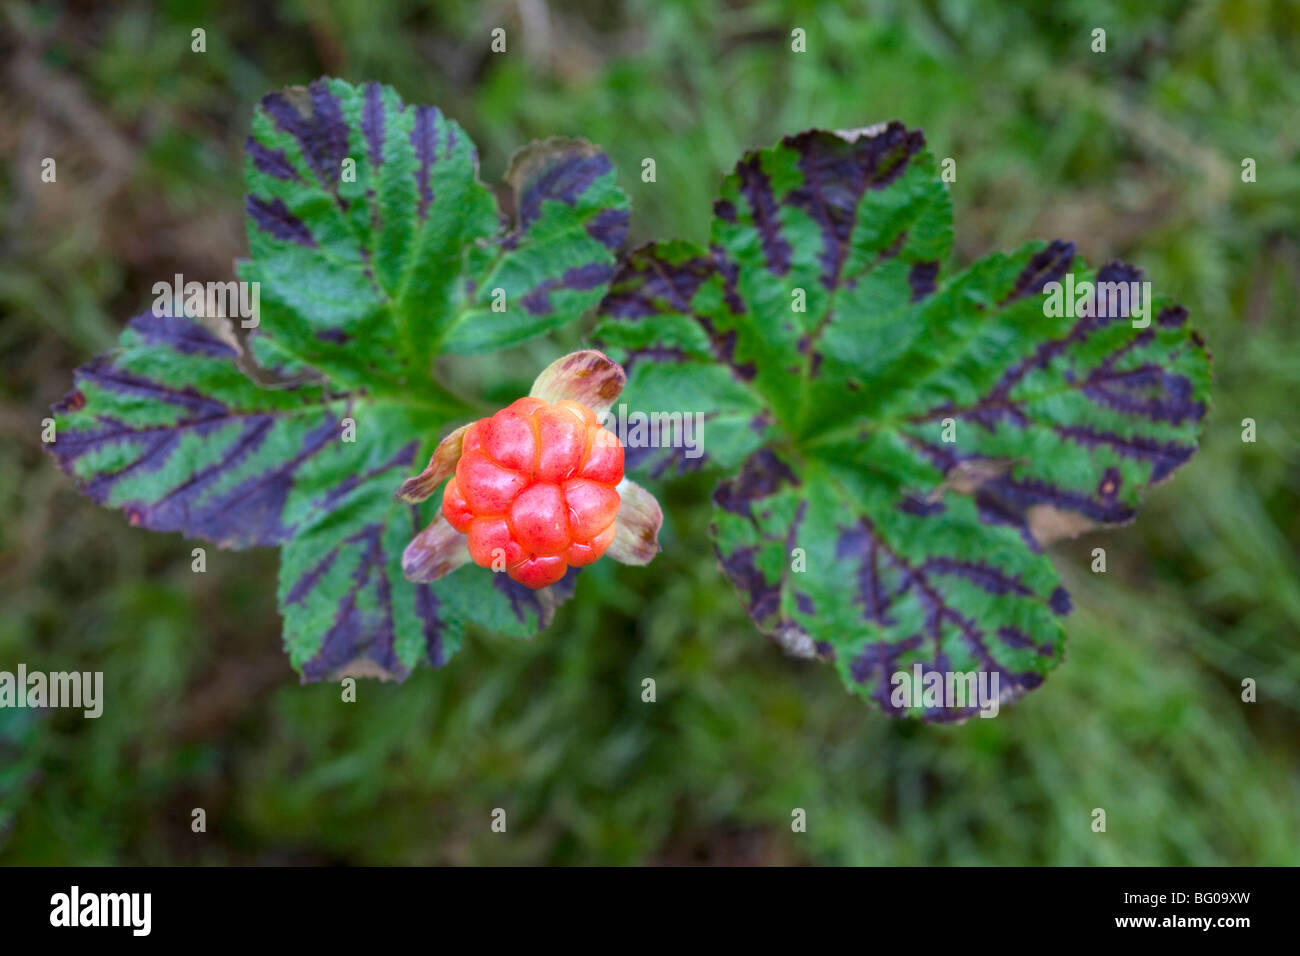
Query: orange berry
x,y
534,490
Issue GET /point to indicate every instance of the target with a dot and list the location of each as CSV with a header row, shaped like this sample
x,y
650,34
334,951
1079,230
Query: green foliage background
x,y
1134,153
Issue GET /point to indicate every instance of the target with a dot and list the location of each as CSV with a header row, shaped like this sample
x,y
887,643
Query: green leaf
x,y
672,304
913,442
375,249
348,610
556,261
172,432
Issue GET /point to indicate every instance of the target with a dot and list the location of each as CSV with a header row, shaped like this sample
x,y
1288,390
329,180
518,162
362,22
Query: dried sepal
x,y
441,464
636,541
588,377
435,552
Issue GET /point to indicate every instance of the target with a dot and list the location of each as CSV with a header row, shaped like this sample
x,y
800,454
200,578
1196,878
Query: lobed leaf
x,y
349,611
368,276
169,429
558,257
853,530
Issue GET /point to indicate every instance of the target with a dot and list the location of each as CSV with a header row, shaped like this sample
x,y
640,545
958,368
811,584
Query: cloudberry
x,y
534,489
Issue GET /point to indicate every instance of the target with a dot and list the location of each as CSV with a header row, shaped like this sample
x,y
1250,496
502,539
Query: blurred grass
x,y
1134,153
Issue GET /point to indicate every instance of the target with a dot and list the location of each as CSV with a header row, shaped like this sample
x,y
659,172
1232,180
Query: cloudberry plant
x,y
898,443
293,430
